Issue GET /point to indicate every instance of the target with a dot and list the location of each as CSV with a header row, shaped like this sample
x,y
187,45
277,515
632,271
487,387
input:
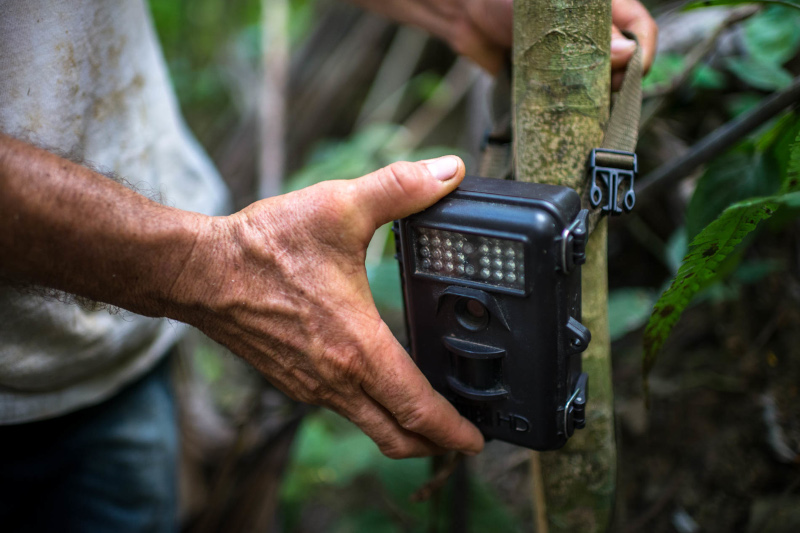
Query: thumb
x,y
404,188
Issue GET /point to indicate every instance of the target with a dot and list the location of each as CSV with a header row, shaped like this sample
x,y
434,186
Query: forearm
x,y
72,229
282,283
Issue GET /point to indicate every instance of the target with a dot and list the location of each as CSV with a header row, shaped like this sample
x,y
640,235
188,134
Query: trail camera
x,y
492,291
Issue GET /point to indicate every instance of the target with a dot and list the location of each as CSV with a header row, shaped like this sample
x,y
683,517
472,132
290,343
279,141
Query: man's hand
x,y
483,29
283,284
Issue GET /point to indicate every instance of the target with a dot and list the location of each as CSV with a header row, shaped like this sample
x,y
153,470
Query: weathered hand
x,y
283,284
483,32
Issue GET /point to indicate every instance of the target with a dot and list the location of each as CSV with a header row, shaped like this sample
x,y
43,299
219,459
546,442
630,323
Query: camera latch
x,y
573,243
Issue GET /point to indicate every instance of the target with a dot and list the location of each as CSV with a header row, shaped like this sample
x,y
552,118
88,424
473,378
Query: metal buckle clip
x,y
613,167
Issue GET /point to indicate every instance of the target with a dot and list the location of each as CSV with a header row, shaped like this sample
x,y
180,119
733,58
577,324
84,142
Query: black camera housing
x,y
492,292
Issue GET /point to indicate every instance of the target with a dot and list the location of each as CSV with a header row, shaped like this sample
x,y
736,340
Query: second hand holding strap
x,y
612,167
614,164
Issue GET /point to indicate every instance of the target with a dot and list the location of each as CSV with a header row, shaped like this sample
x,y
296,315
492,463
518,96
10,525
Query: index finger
x,y
632,16
395,382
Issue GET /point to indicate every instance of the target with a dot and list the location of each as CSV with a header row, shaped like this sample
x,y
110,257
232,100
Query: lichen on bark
x,y
561,101
561,80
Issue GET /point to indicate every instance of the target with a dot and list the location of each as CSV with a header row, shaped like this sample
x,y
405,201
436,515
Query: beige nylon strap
x,y
622,130
497,160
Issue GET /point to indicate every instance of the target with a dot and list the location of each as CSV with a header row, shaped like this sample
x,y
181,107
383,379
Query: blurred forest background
x,y
719,448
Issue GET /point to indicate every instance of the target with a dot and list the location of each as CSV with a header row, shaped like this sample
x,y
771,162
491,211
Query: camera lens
x,y
471,314
476,309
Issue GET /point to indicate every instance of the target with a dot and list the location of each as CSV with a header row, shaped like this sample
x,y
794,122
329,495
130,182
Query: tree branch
x,y
716,143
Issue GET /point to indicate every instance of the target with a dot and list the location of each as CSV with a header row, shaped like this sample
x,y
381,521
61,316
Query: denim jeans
x,y
111,467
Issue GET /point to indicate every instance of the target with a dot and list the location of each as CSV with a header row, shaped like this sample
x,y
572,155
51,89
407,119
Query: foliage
x,y
710,248
332,456
759,73
716,3
384,281
628,310
364,152
745,185
744,172
770,39
197,39
668,67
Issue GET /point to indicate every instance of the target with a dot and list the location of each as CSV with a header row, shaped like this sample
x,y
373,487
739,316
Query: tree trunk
x,y
561,102
273,98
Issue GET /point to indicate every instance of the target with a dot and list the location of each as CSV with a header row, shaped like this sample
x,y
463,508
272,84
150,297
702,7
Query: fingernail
x,y
444,168
621,45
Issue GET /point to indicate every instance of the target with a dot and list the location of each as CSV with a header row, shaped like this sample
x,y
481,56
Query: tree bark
x,y
561,102
273,97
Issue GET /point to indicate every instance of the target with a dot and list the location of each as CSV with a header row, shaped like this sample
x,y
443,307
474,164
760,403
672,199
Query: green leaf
x,y
791,181
384,282
351,158
667,67
759,73
740,103
628,310
676,248
708,252
209,363
664,69
424,85
772,35
715,3
367,519
780,149
362,153
301,20
707,77
737,175
776,130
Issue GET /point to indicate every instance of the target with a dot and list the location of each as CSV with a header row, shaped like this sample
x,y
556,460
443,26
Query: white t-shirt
x,y
87,77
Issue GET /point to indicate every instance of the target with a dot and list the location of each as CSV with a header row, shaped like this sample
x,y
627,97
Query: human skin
x,y
482,29
281,283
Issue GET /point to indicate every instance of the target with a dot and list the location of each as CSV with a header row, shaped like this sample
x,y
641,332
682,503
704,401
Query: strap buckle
x,y
614,168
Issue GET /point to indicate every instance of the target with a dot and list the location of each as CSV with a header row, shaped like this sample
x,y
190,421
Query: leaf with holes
x,y
708,251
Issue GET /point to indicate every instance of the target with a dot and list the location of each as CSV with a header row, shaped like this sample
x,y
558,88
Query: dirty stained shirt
x,y
87,77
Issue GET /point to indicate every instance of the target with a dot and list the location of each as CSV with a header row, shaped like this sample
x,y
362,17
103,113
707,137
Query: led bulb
x,y
469,257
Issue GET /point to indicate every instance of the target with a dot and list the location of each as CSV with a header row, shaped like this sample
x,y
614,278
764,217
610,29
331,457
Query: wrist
x,y
74,230
192,292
